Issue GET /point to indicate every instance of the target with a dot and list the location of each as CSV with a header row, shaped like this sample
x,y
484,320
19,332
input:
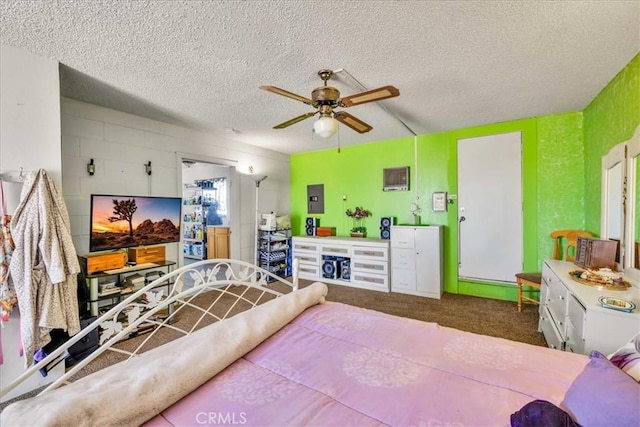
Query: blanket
x,y
131,392
339,365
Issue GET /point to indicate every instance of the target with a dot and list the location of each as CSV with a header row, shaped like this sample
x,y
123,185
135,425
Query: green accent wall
x,y
610,119
354,172
561,177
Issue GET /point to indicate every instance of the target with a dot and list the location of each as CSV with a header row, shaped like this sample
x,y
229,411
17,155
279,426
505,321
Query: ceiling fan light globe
x,y
326,127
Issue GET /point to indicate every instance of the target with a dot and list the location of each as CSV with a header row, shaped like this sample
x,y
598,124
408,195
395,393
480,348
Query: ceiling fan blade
x,y
351,121
288,94
369,96
294,121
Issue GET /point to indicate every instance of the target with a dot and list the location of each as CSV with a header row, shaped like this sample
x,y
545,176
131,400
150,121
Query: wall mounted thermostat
x,y
439,201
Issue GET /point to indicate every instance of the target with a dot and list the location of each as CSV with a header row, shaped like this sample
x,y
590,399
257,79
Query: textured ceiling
x,y
456,63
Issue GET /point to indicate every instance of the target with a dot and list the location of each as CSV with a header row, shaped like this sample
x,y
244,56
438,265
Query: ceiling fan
x,y
326,98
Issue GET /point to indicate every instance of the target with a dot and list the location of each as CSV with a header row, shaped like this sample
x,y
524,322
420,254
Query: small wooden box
x,y
145,254
325,231
101,262
595,253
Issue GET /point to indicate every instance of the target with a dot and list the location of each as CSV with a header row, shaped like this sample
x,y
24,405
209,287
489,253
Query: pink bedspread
x,y
340,365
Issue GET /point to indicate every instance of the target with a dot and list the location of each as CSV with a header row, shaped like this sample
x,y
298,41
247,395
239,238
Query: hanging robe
x,y
44,264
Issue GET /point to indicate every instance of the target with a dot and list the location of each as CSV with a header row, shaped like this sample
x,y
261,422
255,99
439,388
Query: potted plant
x,y
358,215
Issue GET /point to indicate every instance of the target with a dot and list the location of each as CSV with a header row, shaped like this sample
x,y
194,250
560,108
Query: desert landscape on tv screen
x,y
119,222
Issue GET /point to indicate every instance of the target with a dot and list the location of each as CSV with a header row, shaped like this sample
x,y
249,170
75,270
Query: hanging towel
x,y
44,264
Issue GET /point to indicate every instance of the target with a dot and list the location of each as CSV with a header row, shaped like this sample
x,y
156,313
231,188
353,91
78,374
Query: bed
x,y
260,351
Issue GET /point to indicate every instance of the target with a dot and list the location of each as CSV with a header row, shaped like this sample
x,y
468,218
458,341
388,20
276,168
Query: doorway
x,y
208,210
490,226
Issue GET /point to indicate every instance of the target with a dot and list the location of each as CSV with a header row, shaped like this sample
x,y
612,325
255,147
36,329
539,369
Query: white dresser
x,y
572,319
351,261
416,260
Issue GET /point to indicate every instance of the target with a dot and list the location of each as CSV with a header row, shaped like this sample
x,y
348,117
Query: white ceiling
x,y
456,63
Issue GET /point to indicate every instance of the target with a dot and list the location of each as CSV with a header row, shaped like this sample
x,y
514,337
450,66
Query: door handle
x,y
460,221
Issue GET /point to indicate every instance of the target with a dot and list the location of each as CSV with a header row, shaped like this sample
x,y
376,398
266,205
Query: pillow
x,y
541,413
603,395
627,357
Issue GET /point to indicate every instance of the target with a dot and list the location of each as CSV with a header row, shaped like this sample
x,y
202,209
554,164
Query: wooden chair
x,y
533,280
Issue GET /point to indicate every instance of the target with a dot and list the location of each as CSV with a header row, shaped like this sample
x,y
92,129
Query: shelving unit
x,y
193,222
274,251
193,231
100,301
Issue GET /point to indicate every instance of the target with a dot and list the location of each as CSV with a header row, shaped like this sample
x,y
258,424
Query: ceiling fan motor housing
x,y
325,95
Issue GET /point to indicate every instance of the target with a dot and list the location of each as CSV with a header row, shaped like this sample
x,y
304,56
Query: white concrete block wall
x,y
29,138
29,117
121,144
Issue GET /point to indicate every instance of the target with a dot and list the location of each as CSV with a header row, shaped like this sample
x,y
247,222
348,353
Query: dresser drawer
x,y
368,252
556,301
379,282
303,246
576,316
552,281
335,250
371,266
547,326
575,340
402,279
403,238
307,258
308,271
403,258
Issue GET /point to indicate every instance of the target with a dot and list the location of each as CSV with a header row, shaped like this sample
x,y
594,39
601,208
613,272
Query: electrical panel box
x,y
315,198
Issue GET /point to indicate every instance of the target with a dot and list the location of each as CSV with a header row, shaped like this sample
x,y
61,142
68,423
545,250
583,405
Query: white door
x,y
490,207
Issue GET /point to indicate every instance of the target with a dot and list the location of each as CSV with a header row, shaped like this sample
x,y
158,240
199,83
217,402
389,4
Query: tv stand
x,y
119,274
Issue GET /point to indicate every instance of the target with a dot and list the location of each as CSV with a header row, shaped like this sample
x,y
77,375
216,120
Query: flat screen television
x,y
125,221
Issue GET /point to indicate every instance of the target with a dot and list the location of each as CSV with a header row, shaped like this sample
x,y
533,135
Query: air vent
x,y
396,179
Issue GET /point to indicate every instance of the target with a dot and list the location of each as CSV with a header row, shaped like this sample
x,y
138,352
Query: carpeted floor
x,y
479,315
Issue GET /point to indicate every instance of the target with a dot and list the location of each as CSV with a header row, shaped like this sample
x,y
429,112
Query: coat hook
x,y
147,168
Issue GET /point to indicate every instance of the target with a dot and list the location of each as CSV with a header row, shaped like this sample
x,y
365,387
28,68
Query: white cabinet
x,y
572,319
416,260
357,262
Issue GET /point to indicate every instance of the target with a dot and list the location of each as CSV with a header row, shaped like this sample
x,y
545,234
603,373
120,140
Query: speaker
x,y
310,226
345,269
385,226
330,269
